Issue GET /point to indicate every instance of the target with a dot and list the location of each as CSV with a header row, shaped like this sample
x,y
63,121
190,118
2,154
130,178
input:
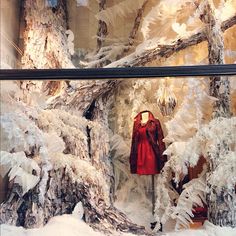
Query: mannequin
x,y
147,147
145,117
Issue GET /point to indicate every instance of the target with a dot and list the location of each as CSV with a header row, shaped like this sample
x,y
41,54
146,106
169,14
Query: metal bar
x,y
116,73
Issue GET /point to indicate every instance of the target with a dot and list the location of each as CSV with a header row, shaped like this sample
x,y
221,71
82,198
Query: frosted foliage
x,y
165,9
70,128
131,98
8,90
20,169
82,171
181,131
166,196
41,140
169,204
130,190
190,138
192,195
70,43
19,133
54,143
124,8
194,111
104,54
190,115
210,141
227,9
176,14
73,131
214,137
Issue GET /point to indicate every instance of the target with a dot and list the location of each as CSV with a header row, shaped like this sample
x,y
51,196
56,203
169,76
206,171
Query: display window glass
x,y
166,145
117,116
58,34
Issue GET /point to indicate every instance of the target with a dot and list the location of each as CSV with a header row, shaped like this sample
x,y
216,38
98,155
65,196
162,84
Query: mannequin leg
x,y
153,224
153,194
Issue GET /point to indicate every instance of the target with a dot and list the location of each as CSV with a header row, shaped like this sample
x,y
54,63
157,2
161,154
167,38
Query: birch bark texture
x,y
221,205
45,40
102,27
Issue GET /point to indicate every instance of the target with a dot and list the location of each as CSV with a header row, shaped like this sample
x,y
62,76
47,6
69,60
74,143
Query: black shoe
x,y
153,225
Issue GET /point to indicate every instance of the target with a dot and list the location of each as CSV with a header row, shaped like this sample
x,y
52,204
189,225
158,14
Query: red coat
x,y
147,146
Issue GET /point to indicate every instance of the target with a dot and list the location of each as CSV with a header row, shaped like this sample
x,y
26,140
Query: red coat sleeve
x,y
160,137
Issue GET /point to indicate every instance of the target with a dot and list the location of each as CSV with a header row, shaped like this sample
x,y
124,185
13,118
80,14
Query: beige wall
x,y
9,27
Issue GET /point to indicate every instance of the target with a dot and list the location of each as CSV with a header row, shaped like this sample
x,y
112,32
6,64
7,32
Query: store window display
x,y
69,146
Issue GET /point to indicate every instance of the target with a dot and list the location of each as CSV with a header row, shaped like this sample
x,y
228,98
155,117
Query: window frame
x,y
118,73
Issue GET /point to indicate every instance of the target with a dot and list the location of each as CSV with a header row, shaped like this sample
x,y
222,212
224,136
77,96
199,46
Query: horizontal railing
x,y
116,73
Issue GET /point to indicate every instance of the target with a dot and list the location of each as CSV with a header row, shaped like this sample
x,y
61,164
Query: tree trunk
x,y
45,41
221,206
84,95
102,27
61,197
136,25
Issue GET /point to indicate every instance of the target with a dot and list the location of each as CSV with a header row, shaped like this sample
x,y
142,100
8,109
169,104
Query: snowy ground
x,y
69,225
72,226
59,226
208,229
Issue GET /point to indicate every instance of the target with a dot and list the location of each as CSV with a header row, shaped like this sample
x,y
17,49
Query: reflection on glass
x,y
110,141
89,33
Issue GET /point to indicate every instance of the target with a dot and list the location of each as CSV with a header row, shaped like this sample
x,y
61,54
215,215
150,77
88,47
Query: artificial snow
x,y
72,226
19,168
208,229
62,225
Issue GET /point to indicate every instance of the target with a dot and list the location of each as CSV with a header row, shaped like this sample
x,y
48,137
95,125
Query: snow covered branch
x,y
111,53
155,49
192,195
80,95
